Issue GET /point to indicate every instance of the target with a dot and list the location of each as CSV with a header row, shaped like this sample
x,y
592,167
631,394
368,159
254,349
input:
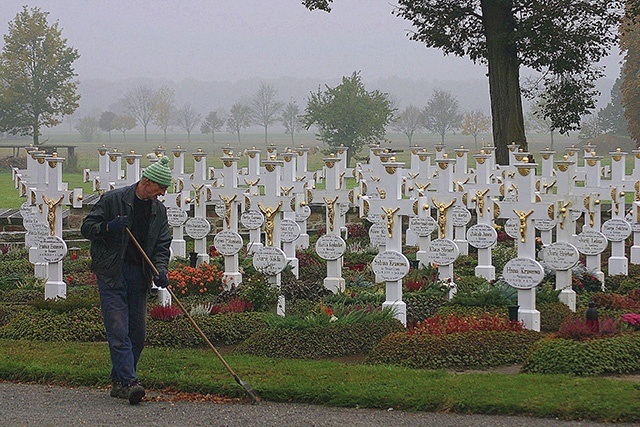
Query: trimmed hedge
x,y
481,349
46,325
229,328
618,354
334,340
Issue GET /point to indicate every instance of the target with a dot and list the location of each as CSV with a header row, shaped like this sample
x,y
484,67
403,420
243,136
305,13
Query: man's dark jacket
x,y
108,249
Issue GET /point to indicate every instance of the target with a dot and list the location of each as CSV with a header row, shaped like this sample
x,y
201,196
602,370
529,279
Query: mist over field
x,y
216,52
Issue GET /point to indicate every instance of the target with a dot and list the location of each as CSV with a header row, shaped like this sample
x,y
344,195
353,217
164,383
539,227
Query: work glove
x,y
118,223
161,280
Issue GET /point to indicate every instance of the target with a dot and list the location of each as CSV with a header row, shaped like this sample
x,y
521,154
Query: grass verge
x,y
332,383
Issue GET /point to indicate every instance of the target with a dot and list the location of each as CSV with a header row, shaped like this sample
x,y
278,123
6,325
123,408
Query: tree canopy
x,y
630,85
348,115
561,40
37,86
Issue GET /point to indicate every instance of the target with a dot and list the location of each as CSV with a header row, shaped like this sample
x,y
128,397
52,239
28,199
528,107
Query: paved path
x,y
24,405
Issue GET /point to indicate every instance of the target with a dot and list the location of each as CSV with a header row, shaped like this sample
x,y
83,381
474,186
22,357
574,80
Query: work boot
x,y
134,392
117,390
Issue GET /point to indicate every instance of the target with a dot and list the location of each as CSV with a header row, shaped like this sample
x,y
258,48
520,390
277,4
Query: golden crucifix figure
x,y
442,214
269,225
227,208
563,212
522,216
389,213
331,211
51,212
480,201
196,189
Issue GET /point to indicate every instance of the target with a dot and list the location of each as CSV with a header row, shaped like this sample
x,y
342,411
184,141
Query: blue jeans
x,y
124,311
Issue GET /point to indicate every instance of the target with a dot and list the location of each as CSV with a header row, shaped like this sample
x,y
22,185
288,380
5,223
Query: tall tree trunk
x,y
504,77
36,130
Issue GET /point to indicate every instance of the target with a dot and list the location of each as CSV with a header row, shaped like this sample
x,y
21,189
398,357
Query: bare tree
x,y
408,122
441,113
139,103
239,118
164,100
264,107
474,122
212,124
290,119
187,118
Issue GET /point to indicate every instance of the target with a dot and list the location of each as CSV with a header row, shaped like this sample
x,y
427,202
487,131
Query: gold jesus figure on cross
x,y
227,208
442,214
522,216
331,211
389,213
269,225
51,212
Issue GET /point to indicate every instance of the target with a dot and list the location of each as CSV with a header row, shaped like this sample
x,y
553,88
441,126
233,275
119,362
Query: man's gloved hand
x,y
118,223
161,280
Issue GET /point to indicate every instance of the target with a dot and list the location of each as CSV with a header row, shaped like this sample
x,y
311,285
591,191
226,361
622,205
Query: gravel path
x,y
44,406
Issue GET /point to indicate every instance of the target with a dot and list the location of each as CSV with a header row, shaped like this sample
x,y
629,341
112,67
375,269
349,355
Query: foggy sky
x,y
231,40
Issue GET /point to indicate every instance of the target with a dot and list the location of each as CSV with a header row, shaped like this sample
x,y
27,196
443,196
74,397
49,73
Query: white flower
x,y
333,319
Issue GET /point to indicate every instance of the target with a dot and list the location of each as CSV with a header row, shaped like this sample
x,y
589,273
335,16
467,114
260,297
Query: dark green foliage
x,y
479,349
612,283
465,265
229,328
421,305
333,340
308,287
615,355
480,293
46,325
21,296
553,314
257,290
14,268
354,296
546,293
69,304
461,310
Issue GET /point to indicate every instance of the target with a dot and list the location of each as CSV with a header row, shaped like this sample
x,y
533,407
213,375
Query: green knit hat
x,y
159,172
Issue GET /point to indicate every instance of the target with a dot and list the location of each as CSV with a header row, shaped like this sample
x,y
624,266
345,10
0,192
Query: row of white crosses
x,y
42,217
387,205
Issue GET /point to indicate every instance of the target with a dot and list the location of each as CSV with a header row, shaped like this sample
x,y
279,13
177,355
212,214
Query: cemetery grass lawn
x,y
328,382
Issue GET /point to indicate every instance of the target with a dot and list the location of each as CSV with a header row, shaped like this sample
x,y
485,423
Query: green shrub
x,y
229,328
501,254
21,296
461,310
615,355
256,289
481,293
547,293
46,325
465,265
467,350
71,303
421,305
553,315
309,286
333,340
